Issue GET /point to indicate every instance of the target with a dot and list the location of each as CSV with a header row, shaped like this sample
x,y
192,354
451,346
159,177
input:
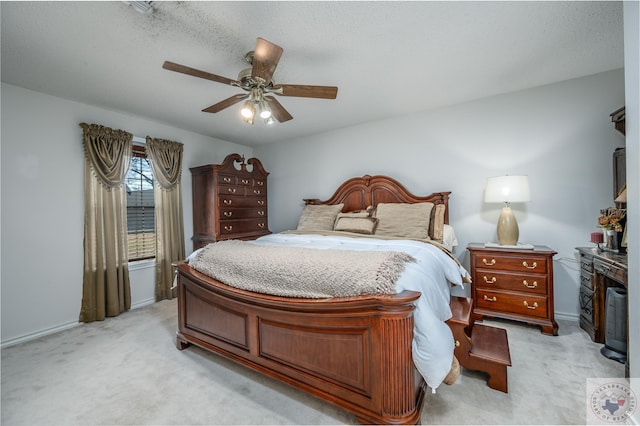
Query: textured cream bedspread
x,y
301,272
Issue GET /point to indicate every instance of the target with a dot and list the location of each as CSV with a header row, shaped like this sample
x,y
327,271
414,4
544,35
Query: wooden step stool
x,y
479,347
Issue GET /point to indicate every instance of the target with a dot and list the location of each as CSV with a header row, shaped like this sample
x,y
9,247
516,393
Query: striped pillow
x,y
404,220
319,217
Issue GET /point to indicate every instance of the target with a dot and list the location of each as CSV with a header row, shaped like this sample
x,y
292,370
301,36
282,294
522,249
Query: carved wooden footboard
x,y
354,352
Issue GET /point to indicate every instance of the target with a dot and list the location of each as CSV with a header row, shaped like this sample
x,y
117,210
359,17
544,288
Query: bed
x,y
357,351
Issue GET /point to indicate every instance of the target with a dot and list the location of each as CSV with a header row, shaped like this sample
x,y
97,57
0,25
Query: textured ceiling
x,y
387,58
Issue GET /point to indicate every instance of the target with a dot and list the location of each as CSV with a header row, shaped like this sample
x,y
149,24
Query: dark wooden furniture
x,y
229,201
598,272
514,284
618,117
353,352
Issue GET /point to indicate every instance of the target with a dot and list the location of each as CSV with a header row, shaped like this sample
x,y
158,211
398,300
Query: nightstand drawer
x,y
517,303
526,283
522,263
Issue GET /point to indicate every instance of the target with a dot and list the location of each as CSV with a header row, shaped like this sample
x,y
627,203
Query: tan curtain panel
x,y
105,285
166,164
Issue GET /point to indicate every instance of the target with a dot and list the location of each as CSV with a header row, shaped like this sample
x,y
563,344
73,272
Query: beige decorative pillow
x,y
358,224
436,225
404,220
360,213
319,217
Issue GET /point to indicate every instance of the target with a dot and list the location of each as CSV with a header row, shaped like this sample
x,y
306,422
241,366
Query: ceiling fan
x,y
257,81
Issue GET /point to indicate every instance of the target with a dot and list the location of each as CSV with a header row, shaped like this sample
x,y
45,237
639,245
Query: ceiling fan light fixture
x,y
258,81
265,112
248,111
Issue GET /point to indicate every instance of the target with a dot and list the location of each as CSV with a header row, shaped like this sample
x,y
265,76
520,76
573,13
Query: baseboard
x,y
59,328
143,303
37,334
567,317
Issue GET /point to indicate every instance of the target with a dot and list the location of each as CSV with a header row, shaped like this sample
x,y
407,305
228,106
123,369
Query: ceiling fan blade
x,y
277,110
171,66
265,59
226,103
324,92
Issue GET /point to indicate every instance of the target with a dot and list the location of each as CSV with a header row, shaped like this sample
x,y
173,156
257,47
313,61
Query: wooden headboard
x,y
358,193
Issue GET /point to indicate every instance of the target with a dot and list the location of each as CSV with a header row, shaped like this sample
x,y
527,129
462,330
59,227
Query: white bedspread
x,y
432,275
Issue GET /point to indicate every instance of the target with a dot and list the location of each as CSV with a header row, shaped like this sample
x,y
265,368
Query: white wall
x,y
632,93
560,135
43,205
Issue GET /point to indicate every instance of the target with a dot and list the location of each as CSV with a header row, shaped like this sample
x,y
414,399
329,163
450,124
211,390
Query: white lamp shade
x,y
507,189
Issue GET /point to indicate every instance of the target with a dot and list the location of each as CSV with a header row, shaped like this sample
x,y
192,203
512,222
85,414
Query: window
x,y
141,227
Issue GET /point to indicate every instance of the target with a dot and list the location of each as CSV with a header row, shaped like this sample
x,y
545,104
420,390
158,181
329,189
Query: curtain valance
x,y
166,161
108,152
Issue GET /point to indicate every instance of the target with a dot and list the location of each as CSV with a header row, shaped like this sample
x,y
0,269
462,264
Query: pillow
x,y
404,220
319,218
359,213
449,239
358,224
436,224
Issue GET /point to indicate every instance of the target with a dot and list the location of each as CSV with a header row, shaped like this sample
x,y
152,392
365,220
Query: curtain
x,y
105,282
166,164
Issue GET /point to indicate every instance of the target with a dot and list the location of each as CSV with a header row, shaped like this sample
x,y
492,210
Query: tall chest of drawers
x,y
514,284
229,201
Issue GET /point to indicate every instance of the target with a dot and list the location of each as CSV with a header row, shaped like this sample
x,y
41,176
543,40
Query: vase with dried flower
x,y
612,221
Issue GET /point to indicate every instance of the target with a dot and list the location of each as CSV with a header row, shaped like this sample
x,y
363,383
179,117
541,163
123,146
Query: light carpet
x,y
127,371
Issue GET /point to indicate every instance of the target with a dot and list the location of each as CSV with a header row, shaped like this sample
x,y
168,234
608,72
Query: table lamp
x,y
507,189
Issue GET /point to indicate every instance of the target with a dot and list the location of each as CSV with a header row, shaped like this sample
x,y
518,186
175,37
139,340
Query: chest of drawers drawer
x,y
241,226
521,263
241,213
517,303
228,201
527,283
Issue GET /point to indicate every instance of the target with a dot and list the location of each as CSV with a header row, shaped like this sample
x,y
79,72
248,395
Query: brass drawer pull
x,y
228,214
245,182
457,343
526,265
486,262
489,281
260,183
261,225
491,299
257,191
226,179
260,212
231,190
227,202
535,305
228,227
532,285
261,202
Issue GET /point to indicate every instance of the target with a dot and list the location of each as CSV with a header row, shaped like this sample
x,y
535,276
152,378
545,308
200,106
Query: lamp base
x,y
508,231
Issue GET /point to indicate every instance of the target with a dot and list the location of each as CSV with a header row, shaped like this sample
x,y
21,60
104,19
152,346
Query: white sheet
x,y
432,275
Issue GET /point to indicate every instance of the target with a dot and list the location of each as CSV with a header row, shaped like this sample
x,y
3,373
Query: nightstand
x,y
514,284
